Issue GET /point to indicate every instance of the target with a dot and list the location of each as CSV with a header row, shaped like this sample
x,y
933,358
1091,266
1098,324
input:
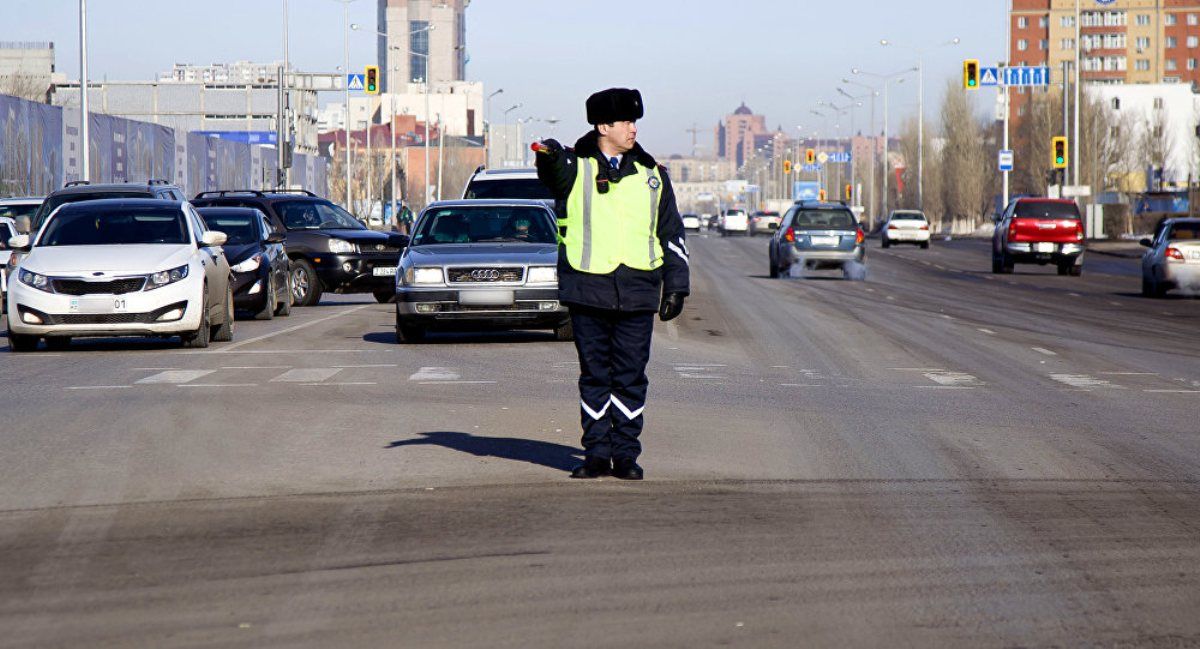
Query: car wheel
x,y
383,297
306,288
268,309
1006,264
774,271
58,343
223,332
564,332
924,245
22,342
198,339
407,334
1147,287
285,307
1075,270
1157,289
1064,269
886,243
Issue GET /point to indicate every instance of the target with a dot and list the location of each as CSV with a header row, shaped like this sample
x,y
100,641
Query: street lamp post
x,y
487,133
874,143
510,109
346,88
86,174
921,111
887,79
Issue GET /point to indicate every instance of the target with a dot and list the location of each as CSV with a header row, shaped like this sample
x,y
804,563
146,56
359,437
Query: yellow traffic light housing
x,y
821,195
971,74
787,167
810,157
1058,153
372,80
849,191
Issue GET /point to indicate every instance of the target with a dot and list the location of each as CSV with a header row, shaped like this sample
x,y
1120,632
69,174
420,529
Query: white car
x,y
8,230
906,226
120,267
735,221
1173,258
20,207
691,222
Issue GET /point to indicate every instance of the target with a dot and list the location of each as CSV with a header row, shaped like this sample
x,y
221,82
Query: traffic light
x,y
1058,152
810,157
971,74
849,192
372,76
787,167
821,195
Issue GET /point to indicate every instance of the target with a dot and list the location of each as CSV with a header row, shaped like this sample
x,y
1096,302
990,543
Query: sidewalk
x,y
1124,248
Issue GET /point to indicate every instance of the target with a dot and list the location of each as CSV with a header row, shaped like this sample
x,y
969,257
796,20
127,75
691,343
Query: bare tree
x,y
1156,141
1041,121
24,86
966,194
934,206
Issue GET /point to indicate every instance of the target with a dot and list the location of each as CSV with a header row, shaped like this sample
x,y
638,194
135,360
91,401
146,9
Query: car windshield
x,y
240,226
1046,210
17,211
485,224
514,188
316,215
823,220
124,224
908,216
1184,232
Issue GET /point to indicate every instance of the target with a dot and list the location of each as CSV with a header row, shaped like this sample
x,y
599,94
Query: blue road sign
x,y
1005,160
1021,75
989,77
356,81
811,168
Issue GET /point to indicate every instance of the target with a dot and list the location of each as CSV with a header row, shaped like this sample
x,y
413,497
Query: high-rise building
x,y
735,138
410,40
1123,41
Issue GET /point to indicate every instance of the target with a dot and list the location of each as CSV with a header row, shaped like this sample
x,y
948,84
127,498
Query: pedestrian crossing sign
x,y
356,81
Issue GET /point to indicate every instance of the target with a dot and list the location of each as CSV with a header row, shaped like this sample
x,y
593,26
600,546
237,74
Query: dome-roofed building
x,y
735,137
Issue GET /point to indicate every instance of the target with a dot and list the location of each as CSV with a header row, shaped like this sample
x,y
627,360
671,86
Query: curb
x,y
1113,253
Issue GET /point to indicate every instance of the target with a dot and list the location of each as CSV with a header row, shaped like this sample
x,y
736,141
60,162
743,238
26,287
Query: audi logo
x,y
482,274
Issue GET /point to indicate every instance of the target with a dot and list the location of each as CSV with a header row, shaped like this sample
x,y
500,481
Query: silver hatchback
x,y
818,236
480,264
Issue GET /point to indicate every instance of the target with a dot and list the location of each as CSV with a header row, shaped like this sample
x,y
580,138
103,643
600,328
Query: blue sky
x,y
693,60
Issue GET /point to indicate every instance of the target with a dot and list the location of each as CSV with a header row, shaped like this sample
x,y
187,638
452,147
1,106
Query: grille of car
x,y
484,275
90,319
378,249
114,287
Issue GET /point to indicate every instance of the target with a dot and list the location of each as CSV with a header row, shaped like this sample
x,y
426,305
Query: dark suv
x,y
82,190
330,249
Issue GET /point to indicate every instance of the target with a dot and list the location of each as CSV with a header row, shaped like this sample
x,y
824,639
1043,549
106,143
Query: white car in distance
x,y
906,226
120,267
691,222
735,222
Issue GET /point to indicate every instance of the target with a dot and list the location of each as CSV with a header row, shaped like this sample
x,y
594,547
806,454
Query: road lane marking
x,y
291,329
358,367
457,383
916,369
217,385
337,384
154,369
1115,303
257,367
987,331
306,375
1173,391
99,387
1128,373
943,387
290,351
1043,350
436,374
1083,381
953,379
1074,295
801,385
175,376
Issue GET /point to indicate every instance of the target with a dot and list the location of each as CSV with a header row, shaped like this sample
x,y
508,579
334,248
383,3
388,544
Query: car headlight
x,y
164,277
424,276
542,274
342,247
248,265
40,282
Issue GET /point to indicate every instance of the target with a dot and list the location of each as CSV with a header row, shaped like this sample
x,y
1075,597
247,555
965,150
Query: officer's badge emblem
x,y
654,183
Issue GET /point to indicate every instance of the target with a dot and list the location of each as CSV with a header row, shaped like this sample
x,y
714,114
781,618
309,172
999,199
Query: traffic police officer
x,y
622,257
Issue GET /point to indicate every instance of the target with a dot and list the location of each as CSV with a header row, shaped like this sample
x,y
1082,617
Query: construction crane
x,y
693,130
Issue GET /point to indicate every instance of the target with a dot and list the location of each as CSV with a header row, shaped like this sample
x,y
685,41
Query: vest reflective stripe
x,y
604,231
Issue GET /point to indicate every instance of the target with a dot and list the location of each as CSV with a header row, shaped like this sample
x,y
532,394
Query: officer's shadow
x,y
547,454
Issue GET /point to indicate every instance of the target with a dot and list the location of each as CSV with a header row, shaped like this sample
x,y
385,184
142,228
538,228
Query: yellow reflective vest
x,y
618,227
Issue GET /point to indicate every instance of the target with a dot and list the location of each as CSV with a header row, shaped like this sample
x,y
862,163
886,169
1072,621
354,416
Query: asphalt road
x,y
935,456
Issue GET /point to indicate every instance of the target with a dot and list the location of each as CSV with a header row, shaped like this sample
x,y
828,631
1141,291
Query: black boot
x,y
626,468
592,467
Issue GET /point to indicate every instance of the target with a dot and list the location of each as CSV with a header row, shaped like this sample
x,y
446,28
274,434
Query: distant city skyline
x,y
548,55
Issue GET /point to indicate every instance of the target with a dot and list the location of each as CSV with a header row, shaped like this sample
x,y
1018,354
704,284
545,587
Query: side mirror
x,y
1146,242
212,239
399,240
24,223
276,237
19,242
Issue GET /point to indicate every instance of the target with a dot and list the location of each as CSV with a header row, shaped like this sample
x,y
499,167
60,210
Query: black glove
x,y
671,306
553,148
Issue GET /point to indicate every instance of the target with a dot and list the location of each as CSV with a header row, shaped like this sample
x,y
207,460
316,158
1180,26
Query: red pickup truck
x,y
1039,231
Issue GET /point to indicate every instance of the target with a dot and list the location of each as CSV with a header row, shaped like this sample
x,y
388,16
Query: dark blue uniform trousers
x,y
614,347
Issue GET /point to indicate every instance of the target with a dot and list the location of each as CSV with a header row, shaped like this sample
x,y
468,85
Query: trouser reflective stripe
x,y
613,349
654,183
585,260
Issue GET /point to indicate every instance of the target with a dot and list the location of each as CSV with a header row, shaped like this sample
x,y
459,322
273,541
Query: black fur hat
x,y
614,105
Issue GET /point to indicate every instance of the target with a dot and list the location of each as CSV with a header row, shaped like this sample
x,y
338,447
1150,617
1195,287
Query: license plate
x,y
1196,254
824,241
384,271
99,306
486,297
1043,247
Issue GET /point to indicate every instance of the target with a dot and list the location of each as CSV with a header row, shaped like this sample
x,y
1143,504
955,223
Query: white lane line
x,y
891,299
916,369
289,330
987,331
1043,350
306,375
685,375
436,374
1173,391
457,383
336,384
801,385
153,369
288,351
1115,303
217,385
99,387
1074,295
257,367
175,376
356,367
779,367
953,379
1128,373
948,317
1082,381
942,387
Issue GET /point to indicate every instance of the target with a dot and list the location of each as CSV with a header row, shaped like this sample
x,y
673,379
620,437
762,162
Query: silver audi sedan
x,y
480,264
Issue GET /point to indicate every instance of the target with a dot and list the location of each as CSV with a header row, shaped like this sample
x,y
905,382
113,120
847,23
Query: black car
x,y
330,250
261,271
82,190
